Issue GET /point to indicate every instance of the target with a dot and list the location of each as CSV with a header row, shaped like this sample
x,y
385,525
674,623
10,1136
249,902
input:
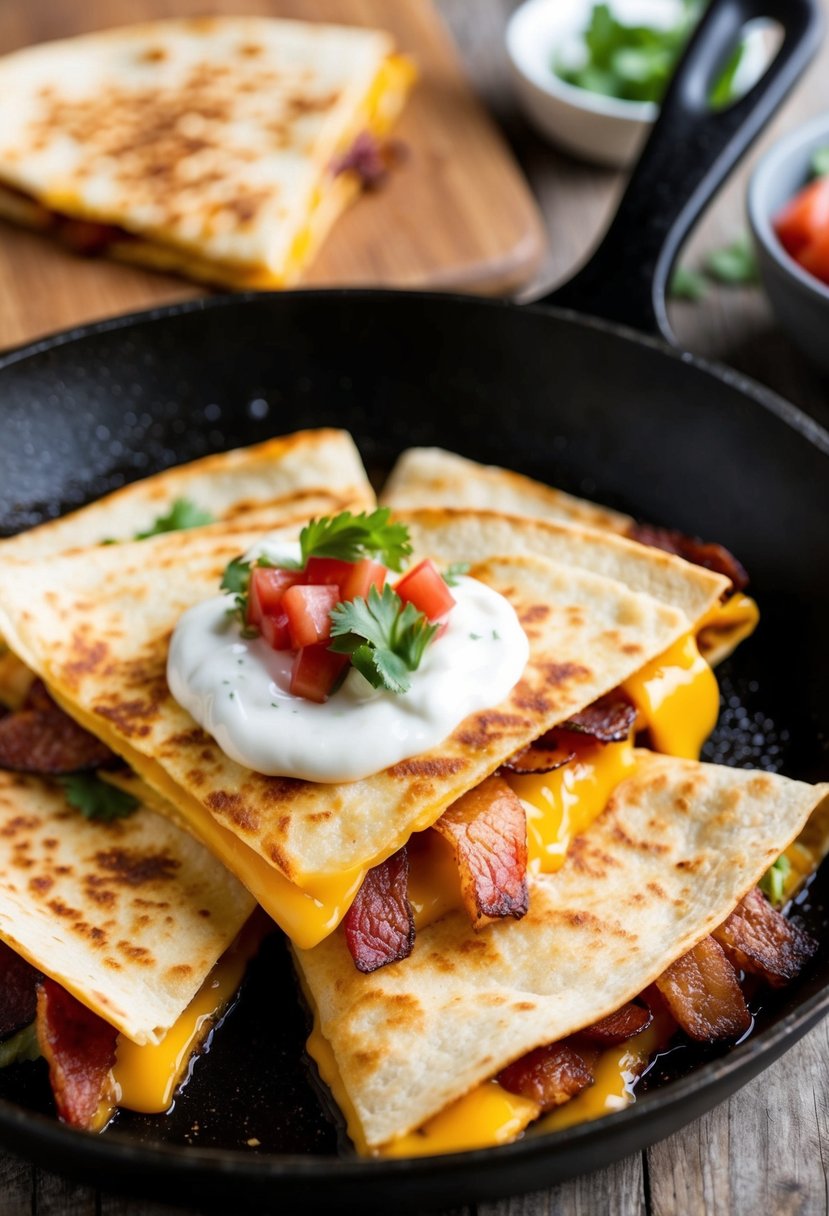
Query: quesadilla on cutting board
x,y
217,147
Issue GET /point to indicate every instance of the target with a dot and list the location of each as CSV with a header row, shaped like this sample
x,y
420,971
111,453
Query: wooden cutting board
x,y
456,215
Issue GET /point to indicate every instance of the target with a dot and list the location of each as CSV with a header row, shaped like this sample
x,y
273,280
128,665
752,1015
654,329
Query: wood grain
x,y
456,214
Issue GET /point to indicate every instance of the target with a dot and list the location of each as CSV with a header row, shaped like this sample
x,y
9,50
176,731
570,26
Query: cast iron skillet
x,y
585,404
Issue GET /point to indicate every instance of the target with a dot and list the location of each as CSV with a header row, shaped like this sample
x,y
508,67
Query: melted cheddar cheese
x,y
723,628
677,698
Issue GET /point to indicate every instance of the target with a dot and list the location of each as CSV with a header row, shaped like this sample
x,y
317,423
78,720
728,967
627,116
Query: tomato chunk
x,y
275,631
815,256
267,587
308,611
362,577
804,218
315,671
425,588
329,571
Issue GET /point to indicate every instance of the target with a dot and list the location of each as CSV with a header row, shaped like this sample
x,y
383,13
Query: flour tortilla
x,y
308,470
129,916
210,143
96,623
677,848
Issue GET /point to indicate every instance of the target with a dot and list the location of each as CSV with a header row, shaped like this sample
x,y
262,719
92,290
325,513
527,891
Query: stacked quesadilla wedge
x,y
223,148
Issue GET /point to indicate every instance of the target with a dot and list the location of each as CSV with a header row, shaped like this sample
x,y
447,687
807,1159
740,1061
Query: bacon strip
x,y
18,992
487,828
550,1076
609,719
379,925
41,738
631,1019
703,994
758,939
700,553
539,759
79,1047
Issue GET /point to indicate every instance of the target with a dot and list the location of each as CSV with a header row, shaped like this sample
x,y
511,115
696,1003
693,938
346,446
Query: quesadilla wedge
x,y
411,1052
217,147
117,938
96,628
431,477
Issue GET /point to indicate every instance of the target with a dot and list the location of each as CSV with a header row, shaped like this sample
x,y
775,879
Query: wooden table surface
x,y
766,1149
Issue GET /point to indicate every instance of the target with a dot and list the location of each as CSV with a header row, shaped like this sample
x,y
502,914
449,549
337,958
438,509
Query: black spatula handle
x,y
691,149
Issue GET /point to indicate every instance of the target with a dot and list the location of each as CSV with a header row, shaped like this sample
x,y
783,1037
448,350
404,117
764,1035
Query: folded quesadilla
x,y
412,1052
96,627
116,938
428,477
223,148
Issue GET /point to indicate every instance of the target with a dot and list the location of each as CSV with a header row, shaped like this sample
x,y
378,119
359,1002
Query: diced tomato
x,y
267,587
275,631
308,611
425,588
805,217
362,577
315,671
331,571
815,257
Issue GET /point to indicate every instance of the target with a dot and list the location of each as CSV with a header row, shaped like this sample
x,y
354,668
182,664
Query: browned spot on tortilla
x,y
190,738
41,884
88,657
138,954
233,806
657,890
180,971
437,767
20,823
534,614
134,869
631,648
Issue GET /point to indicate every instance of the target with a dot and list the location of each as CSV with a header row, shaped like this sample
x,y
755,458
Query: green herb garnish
x,y
733,265
820,162
236,580
21,1046
453,572
773,881
97,799
385,638
352,537
635,62
687,284
183,514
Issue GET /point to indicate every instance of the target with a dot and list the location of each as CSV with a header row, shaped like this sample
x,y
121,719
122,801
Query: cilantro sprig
x,y
453,572
236,581
352,537
183,515
385,638
97,799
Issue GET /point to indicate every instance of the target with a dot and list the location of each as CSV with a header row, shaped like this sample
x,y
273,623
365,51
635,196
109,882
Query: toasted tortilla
x,y
207,146
425,477
677,848
129,916
96,627
307,471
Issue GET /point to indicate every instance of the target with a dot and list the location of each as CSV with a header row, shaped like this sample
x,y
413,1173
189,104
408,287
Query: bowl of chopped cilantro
x,y
591,73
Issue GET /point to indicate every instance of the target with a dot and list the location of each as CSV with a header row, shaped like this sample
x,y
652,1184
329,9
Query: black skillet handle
x,y
689,153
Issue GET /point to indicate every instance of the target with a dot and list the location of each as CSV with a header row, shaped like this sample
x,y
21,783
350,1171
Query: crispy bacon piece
x,y
609,719
703,994
701,553
370,159
537,758
631,1019
487,828
42,739
18,992
37,696
758,939
80,1050
550,1075
379,925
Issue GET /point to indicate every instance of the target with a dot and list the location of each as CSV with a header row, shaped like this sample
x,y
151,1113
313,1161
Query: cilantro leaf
x,y
773,882
733,265
183,514
97,799
385,638
352,537
453,572
820,161
236,581
21,1046
687,284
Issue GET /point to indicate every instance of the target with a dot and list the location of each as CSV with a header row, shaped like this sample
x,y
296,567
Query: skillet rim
x,y
642,1122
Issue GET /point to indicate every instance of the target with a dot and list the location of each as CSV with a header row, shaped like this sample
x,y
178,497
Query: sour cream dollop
x,y
238,689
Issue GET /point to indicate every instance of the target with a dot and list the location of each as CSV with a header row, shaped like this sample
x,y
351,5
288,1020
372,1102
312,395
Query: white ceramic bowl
x,y
597,128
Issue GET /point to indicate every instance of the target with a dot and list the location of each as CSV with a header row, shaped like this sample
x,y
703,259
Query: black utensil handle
x,y
691,149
